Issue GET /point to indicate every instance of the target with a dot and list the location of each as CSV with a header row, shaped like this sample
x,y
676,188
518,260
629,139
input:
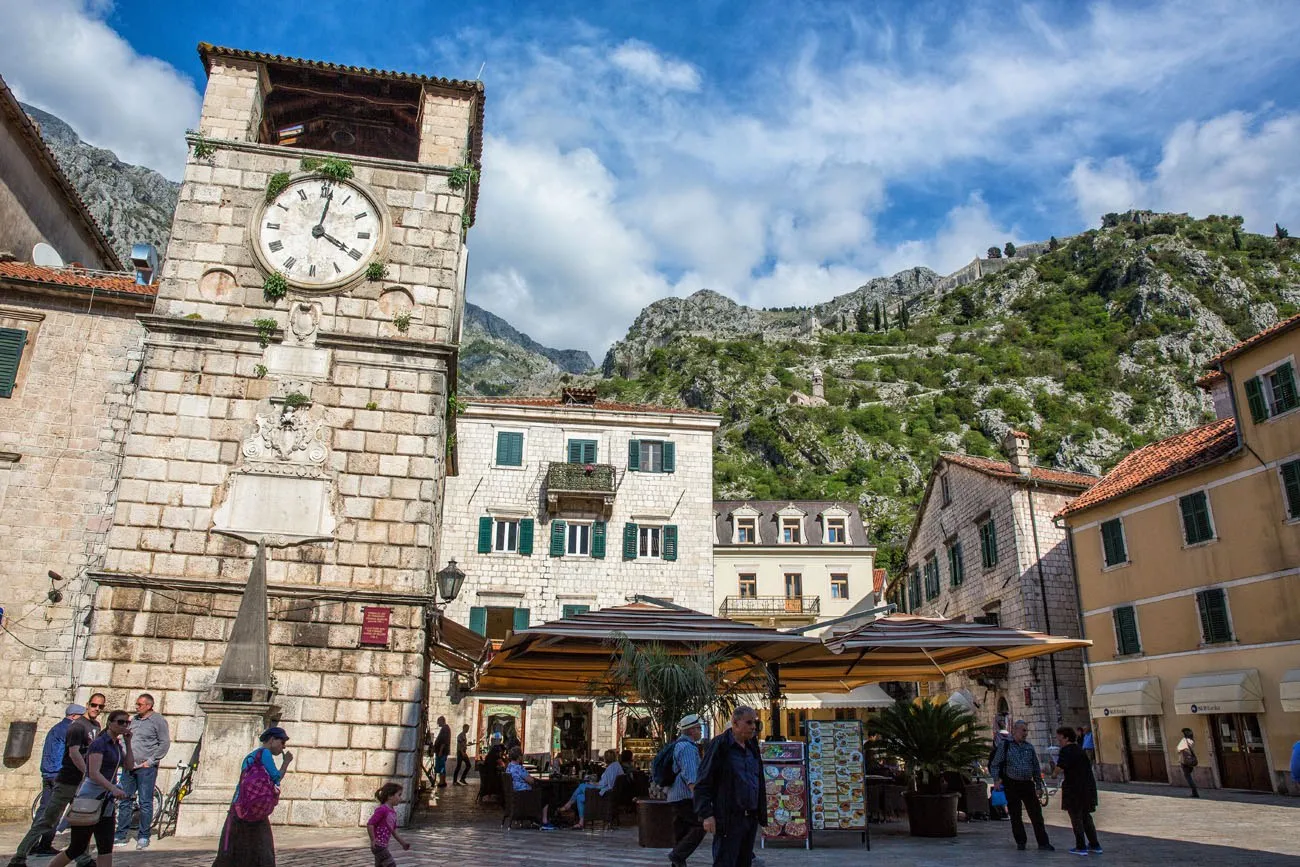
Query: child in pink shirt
x,y
383,824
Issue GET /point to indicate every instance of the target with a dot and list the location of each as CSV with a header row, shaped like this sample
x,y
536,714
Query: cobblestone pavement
x,y
1138,825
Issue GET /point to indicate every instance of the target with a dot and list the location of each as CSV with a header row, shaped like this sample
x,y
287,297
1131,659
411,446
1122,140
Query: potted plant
x,y
930,738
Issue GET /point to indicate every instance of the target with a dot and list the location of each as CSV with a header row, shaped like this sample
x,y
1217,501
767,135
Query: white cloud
x,y
967,232
61,56
1235,163
650,67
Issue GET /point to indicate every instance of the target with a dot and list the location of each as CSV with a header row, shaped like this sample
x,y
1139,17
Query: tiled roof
x,y
1266,334
75,278
878,579
600,405
1159,461
9,106
1211,379
1004,470
207,51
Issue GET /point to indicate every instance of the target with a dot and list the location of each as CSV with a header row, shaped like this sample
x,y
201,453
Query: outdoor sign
x,y
836,775
374,626
786,783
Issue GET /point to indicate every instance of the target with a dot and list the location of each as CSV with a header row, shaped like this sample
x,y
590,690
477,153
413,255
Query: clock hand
x,y
326,210
335,241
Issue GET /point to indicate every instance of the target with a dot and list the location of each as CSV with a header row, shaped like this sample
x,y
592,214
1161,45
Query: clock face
x,y
318,233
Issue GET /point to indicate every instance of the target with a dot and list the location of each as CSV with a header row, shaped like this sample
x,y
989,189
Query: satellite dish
x,y
46,256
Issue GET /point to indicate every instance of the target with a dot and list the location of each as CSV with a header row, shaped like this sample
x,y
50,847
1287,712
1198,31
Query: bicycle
x,y
165,823
135,810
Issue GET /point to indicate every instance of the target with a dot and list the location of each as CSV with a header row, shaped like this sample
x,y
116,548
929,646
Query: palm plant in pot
x,y
930,738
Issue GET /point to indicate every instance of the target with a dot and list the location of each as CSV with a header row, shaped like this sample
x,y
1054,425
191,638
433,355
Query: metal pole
x,y
774,699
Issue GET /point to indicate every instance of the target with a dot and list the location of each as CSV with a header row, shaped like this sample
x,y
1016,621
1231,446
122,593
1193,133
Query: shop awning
x,y
1290,690
868,695
1220,692
456,648
1127,698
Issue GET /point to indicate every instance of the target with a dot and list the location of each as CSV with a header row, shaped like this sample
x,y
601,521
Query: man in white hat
x,y
687,829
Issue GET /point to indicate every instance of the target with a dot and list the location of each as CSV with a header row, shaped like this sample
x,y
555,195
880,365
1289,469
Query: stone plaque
x,y
272,504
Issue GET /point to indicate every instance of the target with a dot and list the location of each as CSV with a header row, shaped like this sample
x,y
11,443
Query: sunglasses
x,y
100,705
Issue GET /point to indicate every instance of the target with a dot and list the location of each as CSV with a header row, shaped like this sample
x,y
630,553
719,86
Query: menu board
x,y
838,791
786,783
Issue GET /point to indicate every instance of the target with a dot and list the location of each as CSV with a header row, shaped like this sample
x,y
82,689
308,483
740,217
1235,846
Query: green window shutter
x,y
993,543
571,610
526,536
589,452
575,451
634,456
12,341
582,451
1284,391
598,540
478,620
1291,486
557,538
1126,633
1213,606
510,449
670,457
1112,542
485,535
956,569
914,594
521,619
1255,400
629,541
1196,518
670,542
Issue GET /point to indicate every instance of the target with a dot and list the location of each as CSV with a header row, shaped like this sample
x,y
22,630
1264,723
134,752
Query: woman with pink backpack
x,y
246,839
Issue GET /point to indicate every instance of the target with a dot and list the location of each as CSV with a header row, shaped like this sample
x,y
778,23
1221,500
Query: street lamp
x,y
450,579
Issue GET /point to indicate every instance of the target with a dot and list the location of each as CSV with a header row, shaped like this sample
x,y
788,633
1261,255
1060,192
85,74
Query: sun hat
x,y
274,732
691,720
74,709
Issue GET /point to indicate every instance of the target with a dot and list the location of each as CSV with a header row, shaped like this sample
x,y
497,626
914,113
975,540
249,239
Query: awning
x,y
868,695
1127,698
1220,692
1290,690
456,648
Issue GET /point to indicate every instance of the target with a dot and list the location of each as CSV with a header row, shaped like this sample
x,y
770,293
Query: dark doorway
x,y
1239,749
571,725
1144,749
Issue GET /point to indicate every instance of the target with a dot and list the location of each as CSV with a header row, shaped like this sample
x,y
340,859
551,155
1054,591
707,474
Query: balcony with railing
x,y
772,609
584,487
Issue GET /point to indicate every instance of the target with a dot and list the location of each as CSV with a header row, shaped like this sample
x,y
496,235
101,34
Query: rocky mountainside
x,y
1092,346
496,358
132,204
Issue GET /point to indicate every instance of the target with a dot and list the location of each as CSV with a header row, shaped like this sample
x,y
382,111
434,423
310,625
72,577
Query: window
x,y
510,449
505,535
748,586
746,531
1272,393
956,568
835,534
1291,487
651,456
1112,542
582,451
989,544
1197,526
12,341
793,585
945,491
571,610
497,623
579,540
1126,631
839,586
791,531
640,540
990,618
648,541
914,590
931,577
1213,607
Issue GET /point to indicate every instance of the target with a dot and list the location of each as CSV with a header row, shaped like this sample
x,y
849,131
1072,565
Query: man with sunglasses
x,y
150,742
80,734
729,794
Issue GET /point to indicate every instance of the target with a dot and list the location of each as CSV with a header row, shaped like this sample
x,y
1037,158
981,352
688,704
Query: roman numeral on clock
x,y
363,235
360,215
276,246
302,194
272,225
345,201
288,263
311,272
355,254
337,269
282,206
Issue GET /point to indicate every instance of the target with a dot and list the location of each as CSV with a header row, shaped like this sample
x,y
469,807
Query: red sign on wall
x,y
374,626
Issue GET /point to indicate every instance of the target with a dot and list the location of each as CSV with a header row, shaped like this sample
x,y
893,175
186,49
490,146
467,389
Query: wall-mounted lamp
x,y
55,595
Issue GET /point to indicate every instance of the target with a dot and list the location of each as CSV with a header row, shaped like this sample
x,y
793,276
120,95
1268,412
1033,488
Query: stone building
x,y
69,351
292,399
984,547
563,505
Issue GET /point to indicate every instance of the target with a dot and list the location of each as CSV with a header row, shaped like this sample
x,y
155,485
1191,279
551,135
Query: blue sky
x,y
780,153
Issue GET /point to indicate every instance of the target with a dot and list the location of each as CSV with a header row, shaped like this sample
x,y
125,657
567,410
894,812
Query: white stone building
x,y
562,505
984,547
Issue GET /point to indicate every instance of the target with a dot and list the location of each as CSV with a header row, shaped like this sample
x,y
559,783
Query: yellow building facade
x,y
1188,557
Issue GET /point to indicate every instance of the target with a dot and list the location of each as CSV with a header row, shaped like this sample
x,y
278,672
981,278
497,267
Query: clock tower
x,y
289,439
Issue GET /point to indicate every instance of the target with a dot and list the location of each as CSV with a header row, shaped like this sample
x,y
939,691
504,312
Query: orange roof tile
x,y
878,577
1266,334
1211,379
1159,461
1004,470
97,280
607,405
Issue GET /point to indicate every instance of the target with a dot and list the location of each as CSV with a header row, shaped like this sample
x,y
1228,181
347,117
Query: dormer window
x,y
836,532
791,531
746,531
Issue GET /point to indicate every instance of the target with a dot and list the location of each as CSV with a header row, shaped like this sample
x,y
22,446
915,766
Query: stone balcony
x,y
772,610
580,487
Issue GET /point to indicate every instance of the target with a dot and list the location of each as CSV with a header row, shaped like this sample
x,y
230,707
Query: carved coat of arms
x,y
290,435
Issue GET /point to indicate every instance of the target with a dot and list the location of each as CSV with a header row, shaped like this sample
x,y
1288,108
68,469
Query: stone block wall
x,y
232,102
65,421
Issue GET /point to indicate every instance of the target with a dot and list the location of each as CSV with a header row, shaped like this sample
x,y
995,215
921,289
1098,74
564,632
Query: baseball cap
x,y
274,732
74,708
689,721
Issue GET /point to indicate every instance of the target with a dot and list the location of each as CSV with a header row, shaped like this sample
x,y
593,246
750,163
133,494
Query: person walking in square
x,y
687,830
249,842
441,749
1017,771
1078,791
72,771
150,742
729,794
109,751
383,825
463,763
52,752
1187,760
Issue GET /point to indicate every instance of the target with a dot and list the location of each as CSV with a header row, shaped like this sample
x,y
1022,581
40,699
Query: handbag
x,y
998,798
85,812
258,795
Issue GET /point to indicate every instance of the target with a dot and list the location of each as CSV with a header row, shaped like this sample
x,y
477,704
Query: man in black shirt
x,y
729,794
441,749
80,734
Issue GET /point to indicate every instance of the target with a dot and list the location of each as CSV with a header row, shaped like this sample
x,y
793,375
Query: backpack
x,y
258,796
662,770
1189,758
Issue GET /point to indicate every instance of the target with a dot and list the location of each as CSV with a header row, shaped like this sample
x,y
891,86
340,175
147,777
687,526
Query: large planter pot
x,y
932,815
654,820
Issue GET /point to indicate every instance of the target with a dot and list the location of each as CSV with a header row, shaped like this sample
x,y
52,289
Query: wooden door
x,y
1144,749
1239,749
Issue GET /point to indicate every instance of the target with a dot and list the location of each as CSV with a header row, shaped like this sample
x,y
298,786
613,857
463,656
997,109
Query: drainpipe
x,y
1042,590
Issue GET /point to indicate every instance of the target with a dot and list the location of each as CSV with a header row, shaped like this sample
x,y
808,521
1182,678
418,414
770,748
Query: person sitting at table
x,y
613,771
522,781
